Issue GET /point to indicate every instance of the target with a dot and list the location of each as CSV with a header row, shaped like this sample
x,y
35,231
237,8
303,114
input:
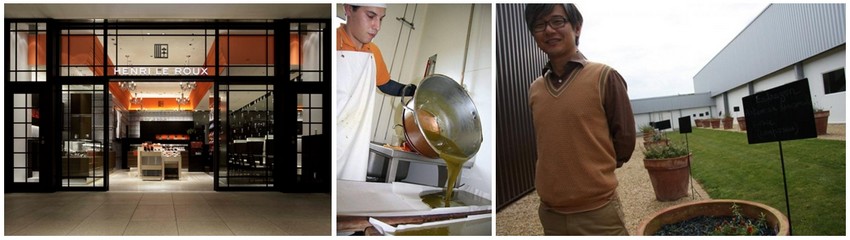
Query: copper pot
x,y
441,107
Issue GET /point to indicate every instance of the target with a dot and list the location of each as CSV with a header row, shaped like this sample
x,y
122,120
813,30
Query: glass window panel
x,y
249,71
311,77
80,71
316,100
302,99
41,76
315,129
19,145
24,76
316,115
19,115
12,47
20,160
19,100
19,175
20,130
298,145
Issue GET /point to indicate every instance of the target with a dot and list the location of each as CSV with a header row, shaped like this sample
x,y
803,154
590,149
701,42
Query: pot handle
x,y
403,103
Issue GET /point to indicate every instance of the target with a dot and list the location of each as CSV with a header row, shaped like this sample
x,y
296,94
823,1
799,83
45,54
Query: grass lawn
x,y
729,168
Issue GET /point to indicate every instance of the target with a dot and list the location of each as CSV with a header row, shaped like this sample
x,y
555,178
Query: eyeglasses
x,y
556,23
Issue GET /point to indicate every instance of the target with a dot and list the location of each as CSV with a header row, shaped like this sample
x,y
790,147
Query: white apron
x,y
355,77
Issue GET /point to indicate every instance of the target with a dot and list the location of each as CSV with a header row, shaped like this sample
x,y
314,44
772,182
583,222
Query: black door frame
x,y
45,141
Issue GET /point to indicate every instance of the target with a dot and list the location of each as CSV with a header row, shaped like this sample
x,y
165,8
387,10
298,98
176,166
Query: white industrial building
x,y
785,43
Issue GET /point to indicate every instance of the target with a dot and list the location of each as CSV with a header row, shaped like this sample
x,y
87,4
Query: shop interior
x,y
152,126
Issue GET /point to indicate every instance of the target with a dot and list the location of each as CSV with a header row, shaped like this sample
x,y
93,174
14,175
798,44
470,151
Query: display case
x,y
150,165
171,164
82,158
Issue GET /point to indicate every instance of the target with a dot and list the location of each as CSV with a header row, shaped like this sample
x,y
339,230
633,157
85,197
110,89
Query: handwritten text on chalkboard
x,y
781,113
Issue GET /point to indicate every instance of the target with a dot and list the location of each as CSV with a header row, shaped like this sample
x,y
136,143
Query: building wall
x,y
718,106
782,35
673,115
518,63
736,99
813,69
775,79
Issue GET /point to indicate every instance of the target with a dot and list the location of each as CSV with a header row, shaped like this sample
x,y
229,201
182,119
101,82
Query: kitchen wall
x,y
440,29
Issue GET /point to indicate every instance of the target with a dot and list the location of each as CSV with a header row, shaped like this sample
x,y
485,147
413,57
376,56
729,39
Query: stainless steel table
x,y
394,156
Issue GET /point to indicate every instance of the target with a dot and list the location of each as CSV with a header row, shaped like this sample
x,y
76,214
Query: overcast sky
x,y
659,47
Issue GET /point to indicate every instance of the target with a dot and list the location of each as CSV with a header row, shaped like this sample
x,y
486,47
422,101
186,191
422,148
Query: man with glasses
x,y
584,129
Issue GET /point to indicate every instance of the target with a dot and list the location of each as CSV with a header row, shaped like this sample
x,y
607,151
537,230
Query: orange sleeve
x,y
382,74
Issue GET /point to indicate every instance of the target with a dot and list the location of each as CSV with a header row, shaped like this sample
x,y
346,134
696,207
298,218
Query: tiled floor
x,y
167,208
122,180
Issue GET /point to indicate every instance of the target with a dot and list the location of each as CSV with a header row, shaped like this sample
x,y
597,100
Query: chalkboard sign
x,y
781,113
660,125
685,124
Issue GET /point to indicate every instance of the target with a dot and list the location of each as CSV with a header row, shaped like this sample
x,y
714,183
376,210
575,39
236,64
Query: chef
x,y
360,69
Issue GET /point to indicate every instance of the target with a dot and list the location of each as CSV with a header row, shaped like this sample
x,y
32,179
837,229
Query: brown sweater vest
x,y
575,153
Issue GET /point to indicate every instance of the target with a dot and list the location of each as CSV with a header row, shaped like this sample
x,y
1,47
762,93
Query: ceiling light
x,y
188,86
129,86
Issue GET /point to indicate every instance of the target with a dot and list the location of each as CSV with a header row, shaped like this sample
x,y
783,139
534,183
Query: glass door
x,y
83,163
29,169
246,143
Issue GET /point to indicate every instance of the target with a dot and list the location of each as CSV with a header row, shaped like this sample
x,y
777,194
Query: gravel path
x,y
636,197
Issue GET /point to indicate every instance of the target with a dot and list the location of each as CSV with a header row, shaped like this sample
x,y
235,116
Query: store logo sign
x,y
160,71
160,51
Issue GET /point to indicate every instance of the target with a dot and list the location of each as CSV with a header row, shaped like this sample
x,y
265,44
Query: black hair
x,y
536,11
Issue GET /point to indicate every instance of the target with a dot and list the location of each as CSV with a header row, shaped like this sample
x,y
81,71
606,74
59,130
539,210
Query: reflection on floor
x,y
121,180
171,207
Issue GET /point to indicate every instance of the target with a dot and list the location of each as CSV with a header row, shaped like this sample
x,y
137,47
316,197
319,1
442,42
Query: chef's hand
x,y
409,90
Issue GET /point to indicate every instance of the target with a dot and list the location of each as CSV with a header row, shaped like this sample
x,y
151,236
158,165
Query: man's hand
x,y
409,90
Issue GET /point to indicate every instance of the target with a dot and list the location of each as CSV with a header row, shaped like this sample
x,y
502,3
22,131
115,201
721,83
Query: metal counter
x,y
394,156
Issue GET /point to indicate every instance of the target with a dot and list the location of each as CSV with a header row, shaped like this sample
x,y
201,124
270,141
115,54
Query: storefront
x,y
91,97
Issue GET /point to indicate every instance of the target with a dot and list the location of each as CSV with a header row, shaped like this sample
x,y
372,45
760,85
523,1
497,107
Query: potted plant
x,y
668,170
741,218
727,121
657,139
742,123
821,120
715,122
647,131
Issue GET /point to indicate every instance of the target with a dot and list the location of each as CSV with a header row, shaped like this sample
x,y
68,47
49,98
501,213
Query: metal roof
x,y
667,103
782,35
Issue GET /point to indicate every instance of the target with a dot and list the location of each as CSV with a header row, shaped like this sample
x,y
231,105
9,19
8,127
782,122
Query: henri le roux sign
x,y
161,71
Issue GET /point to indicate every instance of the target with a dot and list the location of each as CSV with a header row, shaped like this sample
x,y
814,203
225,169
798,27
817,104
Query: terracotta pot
x,y
742,123
821,121
715,122
677,213
669,177
727,123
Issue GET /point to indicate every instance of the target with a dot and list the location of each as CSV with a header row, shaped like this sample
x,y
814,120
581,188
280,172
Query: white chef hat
x,y
380,5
